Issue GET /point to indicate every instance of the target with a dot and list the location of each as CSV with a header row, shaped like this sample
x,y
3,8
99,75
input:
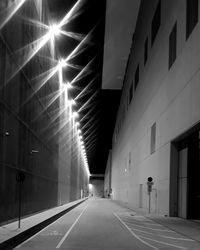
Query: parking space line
x,y
70,229
137,237
144,223
164,243
150,228
163,236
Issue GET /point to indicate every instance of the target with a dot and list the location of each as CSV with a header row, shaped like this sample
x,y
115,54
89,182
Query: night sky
x,y
98,116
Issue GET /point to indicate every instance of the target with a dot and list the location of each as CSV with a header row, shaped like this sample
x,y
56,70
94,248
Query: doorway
x,y
184,176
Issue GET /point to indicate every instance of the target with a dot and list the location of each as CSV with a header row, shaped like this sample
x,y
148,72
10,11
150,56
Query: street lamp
x,y
75,114
54,30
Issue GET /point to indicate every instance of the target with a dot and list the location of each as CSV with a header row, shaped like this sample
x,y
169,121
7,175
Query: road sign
x,y
149,184
149,190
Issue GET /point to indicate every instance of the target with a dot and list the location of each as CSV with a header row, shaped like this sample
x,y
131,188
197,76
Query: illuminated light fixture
x,y
81,137
34,151
54,30
69,86
62,63
72,102
77,124
79,131
75,114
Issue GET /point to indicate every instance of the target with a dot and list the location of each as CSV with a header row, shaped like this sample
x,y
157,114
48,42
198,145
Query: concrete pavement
x,y
102,224
11,235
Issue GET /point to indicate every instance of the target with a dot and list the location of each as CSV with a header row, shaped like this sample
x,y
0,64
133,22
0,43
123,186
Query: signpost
x,y
149,190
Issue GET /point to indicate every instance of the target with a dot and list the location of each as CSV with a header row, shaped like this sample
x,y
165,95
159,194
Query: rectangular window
x,y
131,93
156,22
136,76
153,138
172,45
145,51
191,16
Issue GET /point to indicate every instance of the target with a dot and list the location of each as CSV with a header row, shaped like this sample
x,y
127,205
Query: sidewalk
x,y
11,235
188,228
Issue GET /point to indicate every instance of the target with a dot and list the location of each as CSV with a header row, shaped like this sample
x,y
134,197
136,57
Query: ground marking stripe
x,y
141,222
163,236
24,242
155,229
137,237
164,243
70,229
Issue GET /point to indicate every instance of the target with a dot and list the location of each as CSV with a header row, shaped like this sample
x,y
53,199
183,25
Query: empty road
x,y
99,224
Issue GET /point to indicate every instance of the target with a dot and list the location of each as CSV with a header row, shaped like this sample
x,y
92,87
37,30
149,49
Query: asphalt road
x,y
100,224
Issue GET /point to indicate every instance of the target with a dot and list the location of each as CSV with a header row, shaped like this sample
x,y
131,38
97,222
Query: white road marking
x,y
155,229
24,242
145,223
163,236
37,233
70,229
164,243
137,237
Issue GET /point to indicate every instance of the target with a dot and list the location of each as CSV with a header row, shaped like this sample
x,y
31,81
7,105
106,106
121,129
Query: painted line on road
x,y
24,242
70,229
141,222
163,236
150,228
164,243
137,237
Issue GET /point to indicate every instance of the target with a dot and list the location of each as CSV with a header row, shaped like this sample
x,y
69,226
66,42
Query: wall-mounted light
x,y
34,151
5,134
72,102
75,114
54,30
69,86
62,63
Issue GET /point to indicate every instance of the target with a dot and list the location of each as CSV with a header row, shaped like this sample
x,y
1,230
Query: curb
x,y
21,237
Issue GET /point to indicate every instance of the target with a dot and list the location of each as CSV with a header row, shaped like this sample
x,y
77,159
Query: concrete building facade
x,y
40,161
96,185
157,128
107,178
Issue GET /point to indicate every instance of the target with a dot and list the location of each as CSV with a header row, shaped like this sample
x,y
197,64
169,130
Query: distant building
x,y
96,185
157,133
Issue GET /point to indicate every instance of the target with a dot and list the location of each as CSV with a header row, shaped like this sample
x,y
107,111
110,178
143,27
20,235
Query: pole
x,y
20,197
149,202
